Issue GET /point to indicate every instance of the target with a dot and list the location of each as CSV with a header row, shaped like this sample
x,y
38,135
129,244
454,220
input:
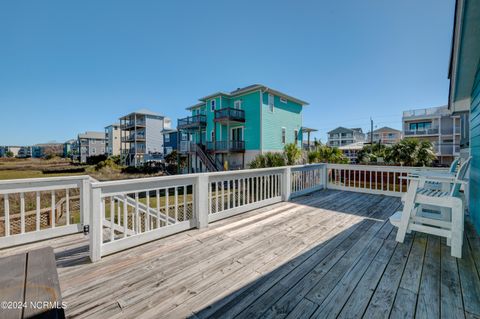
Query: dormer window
x,y
212,105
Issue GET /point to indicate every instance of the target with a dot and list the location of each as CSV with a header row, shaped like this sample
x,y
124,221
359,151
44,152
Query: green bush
x,y
326,154
292,153
95,159
268,159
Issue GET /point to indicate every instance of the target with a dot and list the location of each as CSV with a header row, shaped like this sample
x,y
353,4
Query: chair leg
x,y
408,208
457,229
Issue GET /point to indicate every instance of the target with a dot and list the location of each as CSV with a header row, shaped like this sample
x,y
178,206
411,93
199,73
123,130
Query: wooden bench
x,y
29,286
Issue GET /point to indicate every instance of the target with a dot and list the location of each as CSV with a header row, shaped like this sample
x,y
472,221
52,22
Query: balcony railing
x,y
129,124
434,111
230,114
127,213
429,131
226,146
192,122
132,137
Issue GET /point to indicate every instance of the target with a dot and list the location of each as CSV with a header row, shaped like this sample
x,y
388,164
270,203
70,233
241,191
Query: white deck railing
x,y
126,213
385,180
42,208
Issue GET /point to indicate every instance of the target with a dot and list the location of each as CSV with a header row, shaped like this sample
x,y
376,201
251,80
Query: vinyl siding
x,y
153,135
287,115
475,152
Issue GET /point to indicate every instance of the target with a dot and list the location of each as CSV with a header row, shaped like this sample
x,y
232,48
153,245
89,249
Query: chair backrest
x,y
454,165
461,177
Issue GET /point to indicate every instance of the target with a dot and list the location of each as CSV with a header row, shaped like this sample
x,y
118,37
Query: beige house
x,y
385,135
112,139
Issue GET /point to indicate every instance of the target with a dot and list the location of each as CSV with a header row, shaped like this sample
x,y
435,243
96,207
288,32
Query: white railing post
x,y
286,183
325,176
85,201
201,201
95,224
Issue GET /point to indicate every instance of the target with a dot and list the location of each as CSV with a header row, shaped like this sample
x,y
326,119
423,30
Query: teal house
x,y
464,97
226,130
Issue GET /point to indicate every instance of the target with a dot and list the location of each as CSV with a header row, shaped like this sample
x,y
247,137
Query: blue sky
x,y
71,66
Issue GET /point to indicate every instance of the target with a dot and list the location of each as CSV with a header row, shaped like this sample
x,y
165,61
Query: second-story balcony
x,y
229,115
226,146
192,122
134,137
428,131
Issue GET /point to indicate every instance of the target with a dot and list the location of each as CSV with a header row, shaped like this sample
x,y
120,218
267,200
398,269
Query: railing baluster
x,y
176,204
52,217
381,179
125,216
138,226
112,218
217,195
67,205
119,221
157,193
22,212
147,212
185,202
234,194
223,194
37,211
6,204
167,205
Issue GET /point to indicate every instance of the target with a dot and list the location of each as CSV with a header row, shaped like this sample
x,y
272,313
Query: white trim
x,y
456,51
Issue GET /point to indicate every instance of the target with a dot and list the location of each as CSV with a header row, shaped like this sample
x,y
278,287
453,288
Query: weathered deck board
x,y
330,254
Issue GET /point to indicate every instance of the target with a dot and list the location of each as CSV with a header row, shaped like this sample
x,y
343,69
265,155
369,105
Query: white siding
x,y
154,136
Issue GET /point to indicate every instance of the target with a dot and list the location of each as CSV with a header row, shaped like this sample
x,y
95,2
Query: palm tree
x,y
327,154
412,152
292,153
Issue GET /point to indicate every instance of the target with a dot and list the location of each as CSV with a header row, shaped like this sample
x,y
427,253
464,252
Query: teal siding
x,y
251,106
475,152
287,115
260,124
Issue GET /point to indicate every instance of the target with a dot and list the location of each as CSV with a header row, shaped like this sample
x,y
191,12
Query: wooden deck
x,y
331,254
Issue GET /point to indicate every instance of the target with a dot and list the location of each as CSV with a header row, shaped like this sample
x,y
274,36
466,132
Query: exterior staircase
x,y
210,163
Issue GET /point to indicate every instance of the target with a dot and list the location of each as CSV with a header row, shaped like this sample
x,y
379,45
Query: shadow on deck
x,y
330,254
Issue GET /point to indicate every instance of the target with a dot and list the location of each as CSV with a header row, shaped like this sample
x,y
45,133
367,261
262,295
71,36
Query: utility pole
x,y
371,135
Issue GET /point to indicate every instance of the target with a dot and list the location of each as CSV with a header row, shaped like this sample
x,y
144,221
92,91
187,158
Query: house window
x,y
212,135
93,150
168,150
420,126
167,138
271,105
184,136
283,100
295,136
236,133
237,104
212,105
284,136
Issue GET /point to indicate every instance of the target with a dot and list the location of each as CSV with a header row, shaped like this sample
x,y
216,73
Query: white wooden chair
x,y
448,225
